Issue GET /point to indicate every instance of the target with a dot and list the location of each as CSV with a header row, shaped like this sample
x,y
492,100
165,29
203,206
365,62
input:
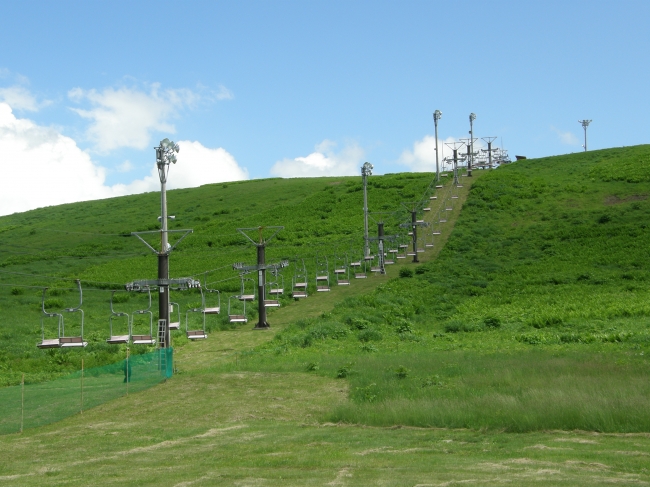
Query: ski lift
x,y
403,247
420,241
391,256
342,271
114,338
361,270
175,325
299,281
211,310
143,339
49,342
232,316
322,275
272,286
74,341
428,240
196,334
247,295
277,287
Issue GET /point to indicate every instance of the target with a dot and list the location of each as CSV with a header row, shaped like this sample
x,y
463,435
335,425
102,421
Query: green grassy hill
x,y
91,241
518,352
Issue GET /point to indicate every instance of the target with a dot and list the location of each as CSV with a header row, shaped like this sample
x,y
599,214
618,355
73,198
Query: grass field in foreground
x,y
262,429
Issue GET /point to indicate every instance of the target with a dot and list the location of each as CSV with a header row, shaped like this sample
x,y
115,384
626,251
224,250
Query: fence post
x,y
82,386
127,374
22,403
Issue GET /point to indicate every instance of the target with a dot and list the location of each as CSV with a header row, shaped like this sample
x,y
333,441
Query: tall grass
x,y
515,392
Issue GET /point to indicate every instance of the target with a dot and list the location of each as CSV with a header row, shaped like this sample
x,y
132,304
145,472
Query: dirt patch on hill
x,y
617,200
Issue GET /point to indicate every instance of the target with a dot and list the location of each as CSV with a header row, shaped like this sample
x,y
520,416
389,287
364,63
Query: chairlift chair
x,y
247,295
233,316
342,271
175,325
50,342
322,275
114,338
273,287
143,339
74,341
403,247
361,269
391,255
200,333
212,310
299,281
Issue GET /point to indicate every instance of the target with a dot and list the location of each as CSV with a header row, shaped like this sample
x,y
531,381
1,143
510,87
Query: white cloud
x,y
567,138
322,162
224,93
422,158
197,165
43,168
20,98
126,166
127,117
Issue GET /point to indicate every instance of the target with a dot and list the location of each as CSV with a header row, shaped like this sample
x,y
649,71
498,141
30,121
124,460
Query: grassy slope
x,y
543,257
236,426
83,240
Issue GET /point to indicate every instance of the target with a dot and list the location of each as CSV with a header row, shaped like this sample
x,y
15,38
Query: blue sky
x,y
259,89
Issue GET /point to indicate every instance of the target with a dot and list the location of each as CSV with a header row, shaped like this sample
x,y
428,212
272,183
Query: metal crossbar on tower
x,y
261,268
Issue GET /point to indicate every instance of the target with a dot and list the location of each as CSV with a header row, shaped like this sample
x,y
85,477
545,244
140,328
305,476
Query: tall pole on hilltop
x,y
585,124
489,141
164,157
437,115
470,148
366,170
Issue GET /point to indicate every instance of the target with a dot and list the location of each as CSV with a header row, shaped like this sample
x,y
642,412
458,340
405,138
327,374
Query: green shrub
x,y
369,335
401,372
492,322
406,272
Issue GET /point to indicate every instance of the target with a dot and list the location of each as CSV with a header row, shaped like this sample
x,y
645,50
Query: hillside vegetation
x,y
92,241
543,285
517,353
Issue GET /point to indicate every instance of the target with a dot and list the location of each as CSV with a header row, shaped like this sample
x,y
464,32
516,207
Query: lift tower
x,y
165,155
261,268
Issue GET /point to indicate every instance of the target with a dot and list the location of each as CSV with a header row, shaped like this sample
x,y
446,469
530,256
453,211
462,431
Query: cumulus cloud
x,y
567,138
44,167
127,117
20,98
422,158
324,161
197,165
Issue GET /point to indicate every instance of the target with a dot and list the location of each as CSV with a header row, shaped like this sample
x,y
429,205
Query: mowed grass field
x,y
515,354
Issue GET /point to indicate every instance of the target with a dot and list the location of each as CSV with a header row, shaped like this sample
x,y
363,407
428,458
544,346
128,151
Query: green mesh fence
x,y
34,405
